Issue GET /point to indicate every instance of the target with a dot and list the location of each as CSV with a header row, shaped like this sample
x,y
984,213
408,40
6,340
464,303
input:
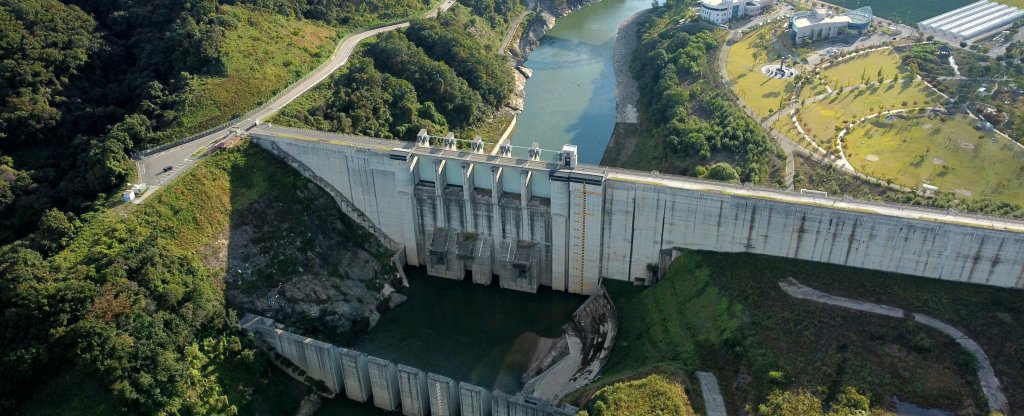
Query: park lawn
x,y
743,66
811,90
952,155
263,53
821,118
855,70
785,126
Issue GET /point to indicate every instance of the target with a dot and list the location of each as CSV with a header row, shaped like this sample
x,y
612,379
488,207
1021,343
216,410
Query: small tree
x,y
722,171
56,229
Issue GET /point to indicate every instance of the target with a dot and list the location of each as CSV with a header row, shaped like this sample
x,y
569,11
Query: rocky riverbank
x,y
544,18
627,131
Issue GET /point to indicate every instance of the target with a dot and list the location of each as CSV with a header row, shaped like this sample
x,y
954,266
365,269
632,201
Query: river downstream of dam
x,y
483,335
571,96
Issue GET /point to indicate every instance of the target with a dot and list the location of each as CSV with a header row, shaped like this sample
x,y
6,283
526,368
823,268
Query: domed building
x,y
819,24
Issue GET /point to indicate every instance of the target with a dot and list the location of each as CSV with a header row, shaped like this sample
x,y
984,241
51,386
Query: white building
x,y
819,24
972,20
721,11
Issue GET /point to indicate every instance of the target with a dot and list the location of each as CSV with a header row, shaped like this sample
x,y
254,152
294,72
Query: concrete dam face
x,y
530,222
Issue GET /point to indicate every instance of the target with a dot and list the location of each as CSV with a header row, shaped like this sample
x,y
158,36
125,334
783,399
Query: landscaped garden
x,y
762,94
863,68
823,119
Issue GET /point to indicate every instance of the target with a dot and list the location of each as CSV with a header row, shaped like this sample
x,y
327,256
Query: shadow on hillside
x,y
292,255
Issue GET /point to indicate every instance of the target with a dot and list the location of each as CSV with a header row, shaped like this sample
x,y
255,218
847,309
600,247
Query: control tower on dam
x,y
444,204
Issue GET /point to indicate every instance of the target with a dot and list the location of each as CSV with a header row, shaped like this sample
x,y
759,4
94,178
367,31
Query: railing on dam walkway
x,y
747,190
390,386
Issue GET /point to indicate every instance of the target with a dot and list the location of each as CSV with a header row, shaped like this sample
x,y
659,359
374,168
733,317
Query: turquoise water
x,y
571,96
905,11
479,334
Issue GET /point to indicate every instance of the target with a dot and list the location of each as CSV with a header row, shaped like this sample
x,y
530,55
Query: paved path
x,y
513,27
989,383
180,158
714,405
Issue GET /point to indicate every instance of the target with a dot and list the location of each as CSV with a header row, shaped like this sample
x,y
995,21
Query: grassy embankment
x,y
263,52
186,217
725,313
651,395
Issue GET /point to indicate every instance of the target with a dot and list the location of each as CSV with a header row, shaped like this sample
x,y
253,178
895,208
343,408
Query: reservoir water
x,y
571,96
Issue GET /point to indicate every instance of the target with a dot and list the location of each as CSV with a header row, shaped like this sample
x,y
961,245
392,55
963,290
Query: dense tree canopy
x,y
368,102
434,81
43,43
342,12
681,104
448,39
436,75
84,83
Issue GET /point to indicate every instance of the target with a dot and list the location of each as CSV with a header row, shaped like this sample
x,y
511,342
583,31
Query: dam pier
x,y
548,220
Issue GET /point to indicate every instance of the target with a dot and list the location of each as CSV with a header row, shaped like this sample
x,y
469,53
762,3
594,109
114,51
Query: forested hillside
x,y
440,74
130,310
87,82
690,124
132,313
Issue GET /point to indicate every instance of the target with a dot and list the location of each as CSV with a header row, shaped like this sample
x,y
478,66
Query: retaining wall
x,y
365,378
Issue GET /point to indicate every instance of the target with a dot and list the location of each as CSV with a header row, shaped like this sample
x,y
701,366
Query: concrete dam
x,y
547,220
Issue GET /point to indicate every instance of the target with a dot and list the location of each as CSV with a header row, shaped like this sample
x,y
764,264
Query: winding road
x,y
990,386
180,158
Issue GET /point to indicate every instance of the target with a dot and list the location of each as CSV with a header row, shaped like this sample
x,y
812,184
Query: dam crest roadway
x,y
528,222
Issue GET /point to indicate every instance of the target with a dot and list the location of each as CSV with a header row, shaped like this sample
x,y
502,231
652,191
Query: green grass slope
x,y
651,395
725,313
263,53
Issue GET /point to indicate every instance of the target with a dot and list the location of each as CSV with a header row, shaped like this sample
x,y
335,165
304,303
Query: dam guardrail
x,y
953,213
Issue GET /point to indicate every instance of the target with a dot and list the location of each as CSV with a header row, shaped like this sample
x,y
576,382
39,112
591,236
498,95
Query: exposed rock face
x,y
518,98
561,8
321,272
535,29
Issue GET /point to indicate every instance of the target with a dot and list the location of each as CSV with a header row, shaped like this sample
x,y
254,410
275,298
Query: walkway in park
x,y
151,167
989,383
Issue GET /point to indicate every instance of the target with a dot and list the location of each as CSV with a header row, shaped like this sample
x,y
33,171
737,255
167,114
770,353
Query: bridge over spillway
x,y
532,222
